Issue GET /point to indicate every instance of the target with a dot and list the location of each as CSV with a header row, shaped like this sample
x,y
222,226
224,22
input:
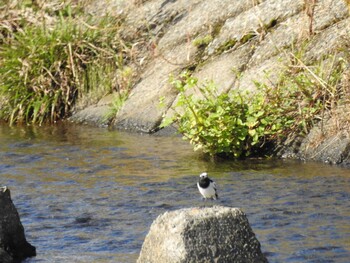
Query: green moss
x,y
247,37
227,45
202,41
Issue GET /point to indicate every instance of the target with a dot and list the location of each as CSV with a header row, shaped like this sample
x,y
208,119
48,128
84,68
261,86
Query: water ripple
x,y
90,195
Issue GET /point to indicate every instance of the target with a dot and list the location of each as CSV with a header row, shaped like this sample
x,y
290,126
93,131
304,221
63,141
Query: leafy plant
x,y
239,124
218,124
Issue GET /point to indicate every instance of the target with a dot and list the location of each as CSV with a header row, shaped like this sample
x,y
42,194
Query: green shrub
x,y
230,124
238,124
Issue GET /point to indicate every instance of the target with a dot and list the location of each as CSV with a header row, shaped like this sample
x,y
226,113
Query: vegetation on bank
x,y
56,57
239,124
53,56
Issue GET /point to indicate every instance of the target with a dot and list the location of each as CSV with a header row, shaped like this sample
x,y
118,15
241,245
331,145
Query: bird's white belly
x,y
208,192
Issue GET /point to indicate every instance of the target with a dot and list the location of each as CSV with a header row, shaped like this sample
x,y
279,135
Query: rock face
x,y
247,42
13,244
215,234
329,141
95,115
251,39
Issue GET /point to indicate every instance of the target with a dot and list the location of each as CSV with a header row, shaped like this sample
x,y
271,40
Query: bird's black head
x,y
204,180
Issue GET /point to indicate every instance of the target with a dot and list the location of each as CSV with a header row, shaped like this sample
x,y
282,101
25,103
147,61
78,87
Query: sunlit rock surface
x,y
250,42
209,234
249,38
13,244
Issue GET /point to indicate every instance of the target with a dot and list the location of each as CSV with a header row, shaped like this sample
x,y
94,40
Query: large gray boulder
x,y
13,244
210,234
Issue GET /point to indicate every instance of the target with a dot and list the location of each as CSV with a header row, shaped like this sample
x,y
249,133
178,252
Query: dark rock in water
x,y
13,244
211,234
5,257
168,131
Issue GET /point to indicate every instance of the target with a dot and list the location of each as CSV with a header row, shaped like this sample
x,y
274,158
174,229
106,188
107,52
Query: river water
x,y
90,195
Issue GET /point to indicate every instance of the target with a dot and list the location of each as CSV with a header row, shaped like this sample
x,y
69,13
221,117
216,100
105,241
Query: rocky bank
x,y
246,41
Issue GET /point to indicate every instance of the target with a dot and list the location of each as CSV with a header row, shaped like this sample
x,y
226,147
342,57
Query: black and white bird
x,y
207,187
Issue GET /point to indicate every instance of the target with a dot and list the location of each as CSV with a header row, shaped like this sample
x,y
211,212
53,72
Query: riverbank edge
x,y
221,46
177,39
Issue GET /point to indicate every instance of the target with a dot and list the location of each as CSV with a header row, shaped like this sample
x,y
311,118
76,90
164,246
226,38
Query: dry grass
x,y
52,55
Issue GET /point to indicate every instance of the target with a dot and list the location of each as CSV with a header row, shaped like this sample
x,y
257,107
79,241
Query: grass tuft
x,y
52,57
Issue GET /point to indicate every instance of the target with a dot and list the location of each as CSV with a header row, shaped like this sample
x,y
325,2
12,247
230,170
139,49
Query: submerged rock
x,y
211,234
13,244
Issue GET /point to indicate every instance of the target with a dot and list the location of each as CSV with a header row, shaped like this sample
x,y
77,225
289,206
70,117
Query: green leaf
x,y
252,132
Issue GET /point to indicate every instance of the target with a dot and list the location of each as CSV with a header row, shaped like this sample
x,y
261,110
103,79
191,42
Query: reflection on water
x,y
90,195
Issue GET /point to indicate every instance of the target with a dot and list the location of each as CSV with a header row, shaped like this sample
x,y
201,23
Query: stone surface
x,y
13,244
257,20
331,39
142,111
96,114
223,69
329,141
211,234
251,41
262,33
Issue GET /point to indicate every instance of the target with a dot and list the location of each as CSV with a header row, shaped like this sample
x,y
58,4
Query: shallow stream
x,y
90,195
